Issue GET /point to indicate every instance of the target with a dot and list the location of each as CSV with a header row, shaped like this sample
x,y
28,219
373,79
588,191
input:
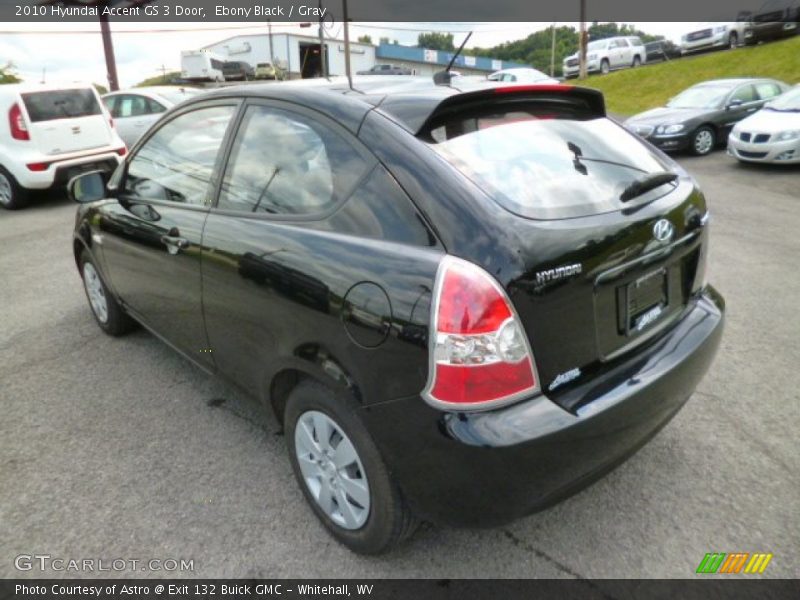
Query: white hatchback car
x,y
521,75
135,110
772,135
48,135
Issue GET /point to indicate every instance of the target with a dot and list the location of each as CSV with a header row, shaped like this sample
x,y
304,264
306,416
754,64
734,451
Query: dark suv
x,y
238,70
462,306
775,19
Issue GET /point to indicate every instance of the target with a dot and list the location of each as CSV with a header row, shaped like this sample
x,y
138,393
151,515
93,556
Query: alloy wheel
x,y
95,292
703,141
332,470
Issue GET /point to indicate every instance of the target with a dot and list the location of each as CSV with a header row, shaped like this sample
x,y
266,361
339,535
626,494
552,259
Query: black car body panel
x,y
345,295
484,469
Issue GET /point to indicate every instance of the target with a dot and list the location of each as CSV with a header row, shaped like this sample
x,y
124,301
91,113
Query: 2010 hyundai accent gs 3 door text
x,y
461,305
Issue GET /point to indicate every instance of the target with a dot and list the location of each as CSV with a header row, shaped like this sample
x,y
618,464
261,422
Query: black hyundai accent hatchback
x,y
461,305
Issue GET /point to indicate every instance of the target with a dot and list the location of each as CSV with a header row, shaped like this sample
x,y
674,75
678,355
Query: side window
x,y
746,93
131,105
176,163
155,107
767,91
284,163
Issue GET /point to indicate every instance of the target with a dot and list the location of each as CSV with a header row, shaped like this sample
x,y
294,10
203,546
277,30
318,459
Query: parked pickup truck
x,y
385,69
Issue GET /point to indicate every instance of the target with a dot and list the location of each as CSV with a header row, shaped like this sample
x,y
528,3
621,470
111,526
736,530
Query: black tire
x,y
605,66
12,195
389,521
700,145
733,40
116,322
636,61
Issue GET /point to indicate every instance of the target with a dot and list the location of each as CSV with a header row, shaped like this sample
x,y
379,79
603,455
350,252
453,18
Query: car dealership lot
x,y
119,448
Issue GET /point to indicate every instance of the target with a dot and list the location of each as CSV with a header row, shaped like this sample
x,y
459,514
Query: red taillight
x,y
40,166
480,355
16,122
121,151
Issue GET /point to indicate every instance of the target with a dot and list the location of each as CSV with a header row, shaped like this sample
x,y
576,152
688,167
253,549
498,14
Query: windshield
x,y
789,101
546,166
61,104
701,96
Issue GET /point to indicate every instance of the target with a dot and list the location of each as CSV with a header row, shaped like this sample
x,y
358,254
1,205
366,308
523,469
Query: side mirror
x,y
87,187
734,103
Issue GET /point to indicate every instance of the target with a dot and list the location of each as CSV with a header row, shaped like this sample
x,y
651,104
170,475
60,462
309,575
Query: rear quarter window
x,y
540,163
61,104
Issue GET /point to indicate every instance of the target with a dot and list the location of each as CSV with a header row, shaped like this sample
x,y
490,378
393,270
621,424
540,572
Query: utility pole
x,y
108,47
163,73
553,53
347,45
271,57
323,56
582,43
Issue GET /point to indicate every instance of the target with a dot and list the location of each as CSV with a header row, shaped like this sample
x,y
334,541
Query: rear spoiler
x,y
416,112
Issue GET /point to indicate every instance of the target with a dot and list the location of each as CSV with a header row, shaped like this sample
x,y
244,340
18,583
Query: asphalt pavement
x,y
120,448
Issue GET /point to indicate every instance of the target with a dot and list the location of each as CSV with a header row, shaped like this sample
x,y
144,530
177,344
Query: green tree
x,y
8,75
101,89
436,40
384,40
365,39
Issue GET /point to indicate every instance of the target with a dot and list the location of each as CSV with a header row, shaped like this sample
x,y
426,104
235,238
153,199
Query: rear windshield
x,y
61,104
542,165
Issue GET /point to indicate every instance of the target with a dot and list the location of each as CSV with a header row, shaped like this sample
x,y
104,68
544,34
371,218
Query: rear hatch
x,y
67,120
609,233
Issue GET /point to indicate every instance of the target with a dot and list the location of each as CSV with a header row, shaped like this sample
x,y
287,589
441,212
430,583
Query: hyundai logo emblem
x,y
663,230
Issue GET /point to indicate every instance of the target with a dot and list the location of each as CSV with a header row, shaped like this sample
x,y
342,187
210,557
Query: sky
x,y
73,52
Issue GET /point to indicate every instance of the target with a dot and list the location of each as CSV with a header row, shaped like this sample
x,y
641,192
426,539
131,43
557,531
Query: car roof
x,y
732,81
408,100
152,90
23,88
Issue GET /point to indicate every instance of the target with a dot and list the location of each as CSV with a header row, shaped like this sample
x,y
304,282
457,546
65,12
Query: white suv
x,y
713,35
604,55
48,134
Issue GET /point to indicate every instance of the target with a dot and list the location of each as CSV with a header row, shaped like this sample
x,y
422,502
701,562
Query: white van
x,y
48,134
201,65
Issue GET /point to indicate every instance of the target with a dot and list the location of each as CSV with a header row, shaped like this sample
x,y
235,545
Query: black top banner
x,y
391,10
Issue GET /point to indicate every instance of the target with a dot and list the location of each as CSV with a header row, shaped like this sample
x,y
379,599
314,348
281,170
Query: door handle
x,y
174,242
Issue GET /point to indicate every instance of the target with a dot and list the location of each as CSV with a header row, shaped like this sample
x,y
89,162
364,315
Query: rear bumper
x,y
485,469
60,170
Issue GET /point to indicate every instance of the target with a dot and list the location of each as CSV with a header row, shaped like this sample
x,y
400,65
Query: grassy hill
x,y
634,90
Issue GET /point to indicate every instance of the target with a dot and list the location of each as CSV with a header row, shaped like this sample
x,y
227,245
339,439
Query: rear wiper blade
x,y
644,184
